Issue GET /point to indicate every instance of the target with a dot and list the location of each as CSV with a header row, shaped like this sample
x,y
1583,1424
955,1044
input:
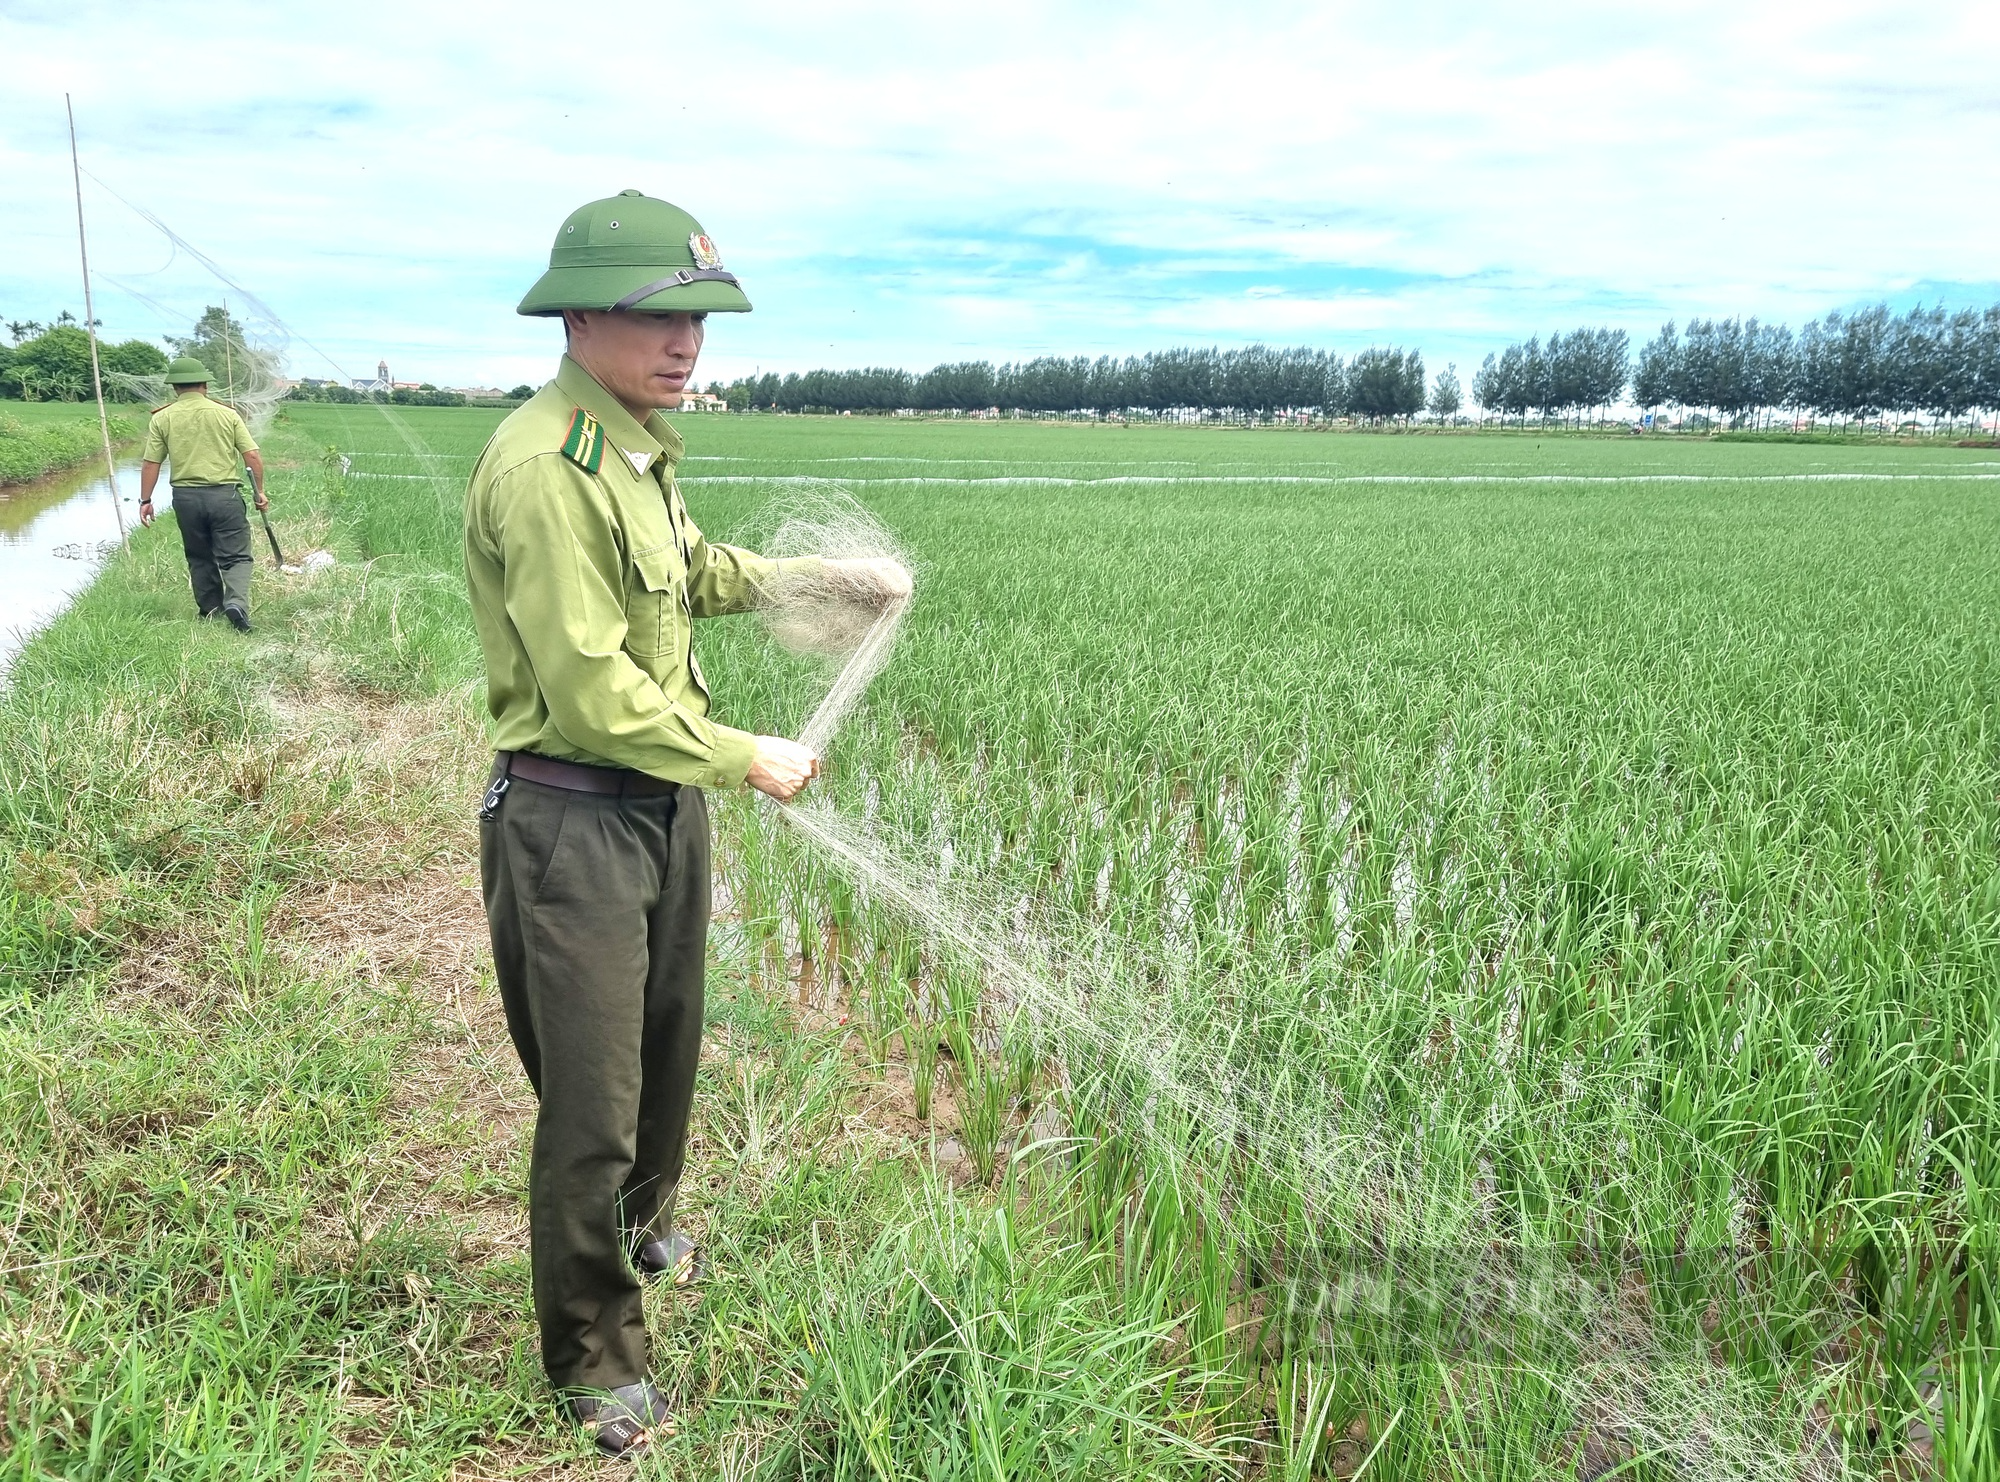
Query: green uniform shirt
x,y
203,441
586,574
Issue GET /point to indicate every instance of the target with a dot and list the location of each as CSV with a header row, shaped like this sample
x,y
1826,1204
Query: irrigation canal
x,y
54,535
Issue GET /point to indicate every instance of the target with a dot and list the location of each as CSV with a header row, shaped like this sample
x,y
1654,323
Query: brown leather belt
x,y
616,782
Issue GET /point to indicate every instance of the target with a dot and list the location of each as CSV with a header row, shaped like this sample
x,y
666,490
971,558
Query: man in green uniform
x,y
207,446
586,576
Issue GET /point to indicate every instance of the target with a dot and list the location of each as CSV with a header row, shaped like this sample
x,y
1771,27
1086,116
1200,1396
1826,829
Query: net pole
x,y
228,359
90,328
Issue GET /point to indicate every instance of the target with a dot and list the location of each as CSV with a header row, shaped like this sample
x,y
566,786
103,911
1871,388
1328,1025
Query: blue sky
x,y
903,184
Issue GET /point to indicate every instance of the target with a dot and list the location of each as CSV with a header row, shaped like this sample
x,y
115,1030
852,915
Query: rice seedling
x,y
921,1046
983,1084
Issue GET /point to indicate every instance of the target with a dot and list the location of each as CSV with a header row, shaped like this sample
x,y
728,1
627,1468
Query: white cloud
x,y
901,184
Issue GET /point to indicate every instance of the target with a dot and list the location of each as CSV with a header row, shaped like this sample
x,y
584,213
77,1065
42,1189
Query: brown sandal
x,y
675,1258
623,1417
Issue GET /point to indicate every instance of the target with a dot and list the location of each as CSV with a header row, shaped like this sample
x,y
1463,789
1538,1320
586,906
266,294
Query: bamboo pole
x,y
90,327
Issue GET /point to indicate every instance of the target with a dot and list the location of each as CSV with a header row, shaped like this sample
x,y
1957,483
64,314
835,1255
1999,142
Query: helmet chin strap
x,y
682,276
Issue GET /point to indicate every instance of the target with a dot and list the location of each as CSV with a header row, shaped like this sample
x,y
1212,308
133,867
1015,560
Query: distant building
x,y
701,401
479,393
381,382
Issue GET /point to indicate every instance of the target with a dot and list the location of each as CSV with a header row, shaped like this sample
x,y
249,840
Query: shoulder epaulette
x,y
585,444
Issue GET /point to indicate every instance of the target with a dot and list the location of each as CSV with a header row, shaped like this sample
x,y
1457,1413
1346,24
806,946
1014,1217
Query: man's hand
x,y
254,461
883,579
782,768
149,475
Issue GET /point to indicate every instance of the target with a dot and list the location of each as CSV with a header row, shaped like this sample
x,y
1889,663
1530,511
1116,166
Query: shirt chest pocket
x,y
654,586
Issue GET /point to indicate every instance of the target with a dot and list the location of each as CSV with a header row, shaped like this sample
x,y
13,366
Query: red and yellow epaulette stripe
x,y
585,444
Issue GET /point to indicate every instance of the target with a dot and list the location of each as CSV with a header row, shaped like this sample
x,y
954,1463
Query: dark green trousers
x,y
215,536
599,912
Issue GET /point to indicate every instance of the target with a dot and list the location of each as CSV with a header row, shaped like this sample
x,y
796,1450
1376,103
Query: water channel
x,y
54,535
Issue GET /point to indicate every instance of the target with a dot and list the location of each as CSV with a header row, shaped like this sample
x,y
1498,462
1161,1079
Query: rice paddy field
x,y
1318,956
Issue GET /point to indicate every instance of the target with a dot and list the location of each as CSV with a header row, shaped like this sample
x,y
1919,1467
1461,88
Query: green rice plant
x,y
875,1006
1024,1062
1304,1412
921,1045
1965,1414
878,990
984,1085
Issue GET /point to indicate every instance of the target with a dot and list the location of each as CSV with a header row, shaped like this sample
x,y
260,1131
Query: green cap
x,y
187,371
630,251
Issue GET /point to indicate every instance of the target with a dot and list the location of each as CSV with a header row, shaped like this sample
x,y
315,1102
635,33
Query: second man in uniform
x,y
207,446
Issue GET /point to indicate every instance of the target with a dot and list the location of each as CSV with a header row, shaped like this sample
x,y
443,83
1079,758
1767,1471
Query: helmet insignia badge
x,y
703,248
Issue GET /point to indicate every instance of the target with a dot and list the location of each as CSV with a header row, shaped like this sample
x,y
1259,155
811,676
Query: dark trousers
x,y
599,912
215,535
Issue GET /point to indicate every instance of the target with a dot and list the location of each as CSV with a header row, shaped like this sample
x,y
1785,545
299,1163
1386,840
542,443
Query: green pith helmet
x,y
632,252
187,371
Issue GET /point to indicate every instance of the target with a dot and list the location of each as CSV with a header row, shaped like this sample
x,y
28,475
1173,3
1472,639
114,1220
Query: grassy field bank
x,y
1588,849
38,438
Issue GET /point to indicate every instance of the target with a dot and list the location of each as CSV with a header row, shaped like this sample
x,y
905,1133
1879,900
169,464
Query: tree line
x,y
425,395
1253,381
1931,362
51,362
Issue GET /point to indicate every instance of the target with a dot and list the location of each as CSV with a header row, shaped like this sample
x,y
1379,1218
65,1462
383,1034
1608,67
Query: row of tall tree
x,y
1929,362
1255,381
1585,369
425,395
1926,362
51,362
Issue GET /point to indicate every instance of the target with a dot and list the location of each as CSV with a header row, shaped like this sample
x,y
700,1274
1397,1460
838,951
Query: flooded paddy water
x,y
54,536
